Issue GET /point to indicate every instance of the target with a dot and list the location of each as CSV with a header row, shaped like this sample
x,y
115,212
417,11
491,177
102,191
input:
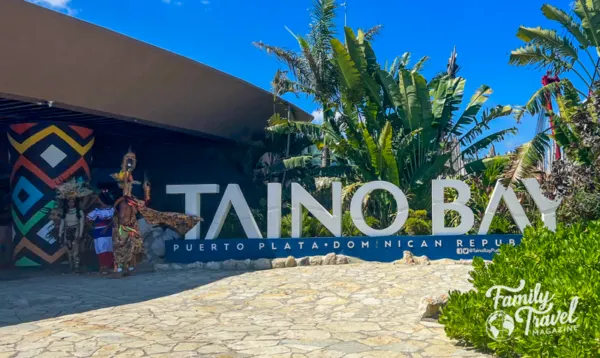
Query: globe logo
x,y
500,326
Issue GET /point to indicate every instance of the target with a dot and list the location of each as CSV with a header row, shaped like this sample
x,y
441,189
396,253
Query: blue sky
x,y
219,33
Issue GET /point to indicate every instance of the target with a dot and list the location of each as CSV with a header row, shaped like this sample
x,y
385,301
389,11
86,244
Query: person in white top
x,y
102,219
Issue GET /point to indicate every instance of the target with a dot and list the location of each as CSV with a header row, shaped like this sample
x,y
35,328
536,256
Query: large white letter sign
x,y
302,198
274,210
439,207
233,197
192,201
512,202
356,208
547,207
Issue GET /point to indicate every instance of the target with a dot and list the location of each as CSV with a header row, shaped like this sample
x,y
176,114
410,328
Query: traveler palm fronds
x,y
392,125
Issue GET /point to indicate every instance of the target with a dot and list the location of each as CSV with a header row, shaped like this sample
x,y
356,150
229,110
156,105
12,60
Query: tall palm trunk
x,y
325,152
325,157
287,147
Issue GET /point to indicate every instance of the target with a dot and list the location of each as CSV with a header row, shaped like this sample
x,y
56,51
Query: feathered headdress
x,y
73,189
129,162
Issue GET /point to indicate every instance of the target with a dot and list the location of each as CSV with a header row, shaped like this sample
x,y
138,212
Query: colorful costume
x,y
127,239
125,177
71,230
102,219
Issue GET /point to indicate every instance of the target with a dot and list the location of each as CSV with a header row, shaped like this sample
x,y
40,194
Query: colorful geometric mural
x,y
42,156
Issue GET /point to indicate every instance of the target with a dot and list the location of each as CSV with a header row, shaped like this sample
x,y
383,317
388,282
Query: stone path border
x,y
290,261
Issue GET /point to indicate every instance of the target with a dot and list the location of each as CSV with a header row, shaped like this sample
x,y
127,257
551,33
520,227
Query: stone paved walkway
x,y
350,311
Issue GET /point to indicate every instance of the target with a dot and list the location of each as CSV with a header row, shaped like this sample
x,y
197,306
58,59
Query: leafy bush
x,y
311,227
565,263
503,223
576,176
581,206
417,223
233,229
349,229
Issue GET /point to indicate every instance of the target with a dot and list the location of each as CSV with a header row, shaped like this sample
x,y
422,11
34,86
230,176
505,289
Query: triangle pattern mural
x,y
43,155
26,262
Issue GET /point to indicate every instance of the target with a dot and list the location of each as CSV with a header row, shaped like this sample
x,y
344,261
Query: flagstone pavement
x,y
350,311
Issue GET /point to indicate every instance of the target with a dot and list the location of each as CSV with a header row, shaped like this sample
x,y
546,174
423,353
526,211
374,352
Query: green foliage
x,y
311,227
232,227
581,206
310,67
565,263
418,214
393,125
575,178
380,122
481,186
418,223
503,224
565,50
528,155
572,49
348,228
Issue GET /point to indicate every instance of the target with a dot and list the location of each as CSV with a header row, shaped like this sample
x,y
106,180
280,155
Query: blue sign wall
x,y
384,249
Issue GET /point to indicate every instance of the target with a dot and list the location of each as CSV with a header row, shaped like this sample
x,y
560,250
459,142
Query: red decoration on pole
x,y
546,80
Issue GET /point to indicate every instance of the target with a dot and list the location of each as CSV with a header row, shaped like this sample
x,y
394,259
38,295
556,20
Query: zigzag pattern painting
x,y
42,156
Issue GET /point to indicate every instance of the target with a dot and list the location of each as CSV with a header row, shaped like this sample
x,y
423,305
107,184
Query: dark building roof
x,y
47,56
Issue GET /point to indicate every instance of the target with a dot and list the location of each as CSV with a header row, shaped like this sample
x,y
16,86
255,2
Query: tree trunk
x,y
325,157
325,154
287,155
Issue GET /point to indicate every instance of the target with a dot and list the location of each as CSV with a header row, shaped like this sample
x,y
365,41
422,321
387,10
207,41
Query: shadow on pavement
x,y
32,295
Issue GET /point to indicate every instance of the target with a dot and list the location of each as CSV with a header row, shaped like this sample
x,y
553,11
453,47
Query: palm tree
x,y
311,68
392,125
576,52
564,54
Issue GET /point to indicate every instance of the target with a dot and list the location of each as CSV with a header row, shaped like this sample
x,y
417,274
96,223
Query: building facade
x,y
75,96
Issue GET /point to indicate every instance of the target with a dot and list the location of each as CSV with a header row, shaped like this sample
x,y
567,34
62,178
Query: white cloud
x,y
62,5
59,4
178,3
317,116
203,2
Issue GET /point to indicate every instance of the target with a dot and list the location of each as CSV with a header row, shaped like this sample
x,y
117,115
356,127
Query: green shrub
x,y
565,263
348,227
418,214
417,223
580,206
503,224
311,227
233,229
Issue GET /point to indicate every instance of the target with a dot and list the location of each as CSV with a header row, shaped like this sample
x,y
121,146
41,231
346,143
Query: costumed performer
x,y
127,239
102,220
71,228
